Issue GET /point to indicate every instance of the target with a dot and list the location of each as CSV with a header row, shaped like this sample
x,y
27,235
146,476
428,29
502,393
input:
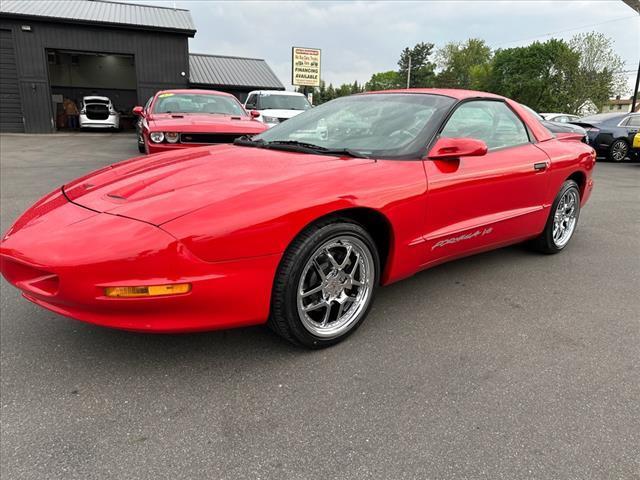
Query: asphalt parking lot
x,y
507,365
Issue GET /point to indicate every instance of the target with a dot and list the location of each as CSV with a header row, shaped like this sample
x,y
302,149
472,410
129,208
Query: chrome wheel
x,y
565,217
619,150
335,286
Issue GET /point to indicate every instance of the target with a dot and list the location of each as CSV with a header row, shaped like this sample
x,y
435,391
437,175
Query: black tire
x,y
141,148
545,242
618,151
284,318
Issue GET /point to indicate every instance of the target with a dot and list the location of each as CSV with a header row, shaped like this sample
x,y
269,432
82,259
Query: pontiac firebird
x,y
298,226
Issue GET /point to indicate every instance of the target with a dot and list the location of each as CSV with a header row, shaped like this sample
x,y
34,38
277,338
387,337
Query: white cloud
x,y
361,38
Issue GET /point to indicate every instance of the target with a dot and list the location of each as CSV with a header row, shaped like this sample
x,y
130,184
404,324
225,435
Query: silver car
x,y
98,112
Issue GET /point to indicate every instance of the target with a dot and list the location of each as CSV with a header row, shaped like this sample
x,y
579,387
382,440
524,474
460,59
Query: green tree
x,y
384,81
422,69
330,94
343,90
540,75
599,75
463,65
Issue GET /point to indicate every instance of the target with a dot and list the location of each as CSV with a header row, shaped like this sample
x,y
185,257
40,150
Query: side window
x,y
634,121
493,122
251,102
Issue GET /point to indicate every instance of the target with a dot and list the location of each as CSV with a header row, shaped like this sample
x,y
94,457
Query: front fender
x,y
267,220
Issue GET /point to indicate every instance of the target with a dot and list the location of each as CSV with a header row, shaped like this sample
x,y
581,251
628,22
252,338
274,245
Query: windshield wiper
x,y
313,148
247,141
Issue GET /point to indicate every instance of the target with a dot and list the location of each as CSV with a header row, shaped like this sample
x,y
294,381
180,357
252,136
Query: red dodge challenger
x,y
298,226
175,119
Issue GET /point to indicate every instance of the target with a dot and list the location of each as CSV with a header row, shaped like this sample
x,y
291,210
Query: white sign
x,y
305,67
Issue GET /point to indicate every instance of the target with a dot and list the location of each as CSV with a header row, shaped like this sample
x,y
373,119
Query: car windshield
x,y
268,101
197,103
388,125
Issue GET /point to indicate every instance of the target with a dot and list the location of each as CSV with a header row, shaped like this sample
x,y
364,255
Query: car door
x,y
632,126
476,203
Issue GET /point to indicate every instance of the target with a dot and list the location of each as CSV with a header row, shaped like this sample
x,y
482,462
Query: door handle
x,y
538,167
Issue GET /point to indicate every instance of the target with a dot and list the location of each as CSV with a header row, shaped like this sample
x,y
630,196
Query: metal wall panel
x,y
10,104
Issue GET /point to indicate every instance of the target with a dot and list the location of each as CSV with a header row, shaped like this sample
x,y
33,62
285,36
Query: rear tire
x,y
562,221
618,151
325,284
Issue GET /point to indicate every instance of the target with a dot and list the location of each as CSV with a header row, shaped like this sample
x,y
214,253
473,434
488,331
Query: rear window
x,y
602,118
634,121
268,101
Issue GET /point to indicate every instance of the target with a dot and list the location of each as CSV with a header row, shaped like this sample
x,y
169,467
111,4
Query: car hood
x,y
204,123
280,113
159,188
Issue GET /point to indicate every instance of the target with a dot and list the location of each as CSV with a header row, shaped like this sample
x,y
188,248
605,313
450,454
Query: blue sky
x,y
361,38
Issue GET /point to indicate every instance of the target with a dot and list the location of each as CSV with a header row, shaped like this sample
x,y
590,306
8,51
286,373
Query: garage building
x,y
72,48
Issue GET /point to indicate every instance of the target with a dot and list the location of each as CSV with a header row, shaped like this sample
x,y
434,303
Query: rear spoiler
x,y
584,124
570,136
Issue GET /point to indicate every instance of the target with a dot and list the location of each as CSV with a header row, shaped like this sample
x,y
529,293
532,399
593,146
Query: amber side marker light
x,y
148,291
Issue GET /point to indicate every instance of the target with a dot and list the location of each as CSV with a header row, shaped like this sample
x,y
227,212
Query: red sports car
x,y
299,225
175,119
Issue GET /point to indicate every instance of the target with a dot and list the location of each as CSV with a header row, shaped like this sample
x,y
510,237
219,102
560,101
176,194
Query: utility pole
x,y
409,72
635,91
635,4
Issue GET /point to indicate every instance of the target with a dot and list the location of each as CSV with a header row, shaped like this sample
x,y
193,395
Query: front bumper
x,y
62,256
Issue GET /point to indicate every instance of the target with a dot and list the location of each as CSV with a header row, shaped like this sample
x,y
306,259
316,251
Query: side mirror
x,y
254,113
454,148
138,111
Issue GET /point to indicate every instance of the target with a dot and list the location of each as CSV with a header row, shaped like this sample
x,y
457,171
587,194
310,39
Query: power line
x,y
566,30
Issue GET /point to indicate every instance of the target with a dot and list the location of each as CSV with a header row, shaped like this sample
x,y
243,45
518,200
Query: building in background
x,y
236,75
50,51
617,105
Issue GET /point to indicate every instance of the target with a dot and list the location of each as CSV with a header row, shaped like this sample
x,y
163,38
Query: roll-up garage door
x,y
10,106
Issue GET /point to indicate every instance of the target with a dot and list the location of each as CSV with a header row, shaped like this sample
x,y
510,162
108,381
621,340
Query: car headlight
x,y
172,137
156,137
266,119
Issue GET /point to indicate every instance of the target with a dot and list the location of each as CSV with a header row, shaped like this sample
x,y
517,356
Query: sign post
x,y
305,67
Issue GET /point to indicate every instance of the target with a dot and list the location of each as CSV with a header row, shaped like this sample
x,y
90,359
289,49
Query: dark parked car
x,y
611,134
558,127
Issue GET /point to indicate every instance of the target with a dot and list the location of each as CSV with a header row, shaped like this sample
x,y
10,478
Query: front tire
x,y
325,284
618,151
562,221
